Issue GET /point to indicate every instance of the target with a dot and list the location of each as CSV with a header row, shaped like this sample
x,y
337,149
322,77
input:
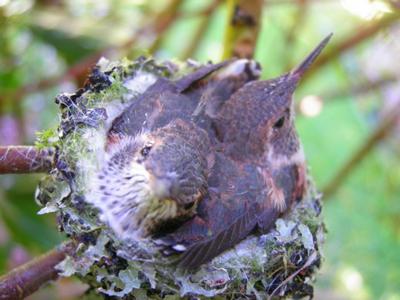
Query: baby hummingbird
x,y
216,158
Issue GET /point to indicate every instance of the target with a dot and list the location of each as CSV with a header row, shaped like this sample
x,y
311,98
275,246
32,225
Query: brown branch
x,y
163,22
356,91
362,34
295,2
75,71
308,263
382,130
201,30
359,89
25,159
298,21
394,4
199,13
156,26
28,278
243,26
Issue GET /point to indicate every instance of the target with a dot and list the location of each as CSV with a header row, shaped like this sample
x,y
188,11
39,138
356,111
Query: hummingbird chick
x,y
216,155
157,158
152,178
259,170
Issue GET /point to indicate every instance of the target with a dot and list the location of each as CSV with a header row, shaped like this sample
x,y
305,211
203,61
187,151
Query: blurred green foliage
x,y
40,40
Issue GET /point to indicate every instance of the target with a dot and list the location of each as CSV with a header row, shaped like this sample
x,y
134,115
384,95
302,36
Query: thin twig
x,y
295,2
361,88
243,26
298,21
163,22
199,13
202,28
382,130
28,278
25,159
361,35
394,4
358,89
155,27
309,261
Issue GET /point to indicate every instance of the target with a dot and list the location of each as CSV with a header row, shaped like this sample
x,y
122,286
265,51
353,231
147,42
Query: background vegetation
x,y
348,111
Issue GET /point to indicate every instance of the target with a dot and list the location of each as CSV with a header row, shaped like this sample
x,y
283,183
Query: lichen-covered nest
x,y
278,264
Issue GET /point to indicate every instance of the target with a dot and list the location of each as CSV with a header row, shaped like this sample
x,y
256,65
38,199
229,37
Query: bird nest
x,y
279,264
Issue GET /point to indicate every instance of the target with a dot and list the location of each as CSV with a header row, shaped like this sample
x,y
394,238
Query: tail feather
x,y
205,251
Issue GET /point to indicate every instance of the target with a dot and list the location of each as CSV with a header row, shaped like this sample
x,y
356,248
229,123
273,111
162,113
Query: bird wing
x,y
237,203
206,250
187,81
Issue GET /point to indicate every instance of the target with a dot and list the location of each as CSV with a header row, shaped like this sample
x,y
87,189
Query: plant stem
x,y
242,28
156,26
382,130
28,278
299,19
359,89
163,21
201,30
360,35
25,159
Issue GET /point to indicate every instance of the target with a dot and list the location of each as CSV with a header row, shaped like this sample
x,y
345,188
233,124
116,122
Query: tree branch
x,y
201,30
199,13
295,2
361,88
163,22
361,35
382,130
299,19
28,278
244,21
155,26
25,159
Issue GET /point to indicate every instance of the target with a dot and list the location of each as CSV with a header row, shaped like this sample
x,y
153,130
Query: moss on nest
x,y
280,263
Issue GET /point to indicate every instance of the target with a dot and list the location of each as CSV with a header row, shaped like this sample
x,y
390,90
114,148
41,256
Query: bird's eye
x,y
145,151
278,124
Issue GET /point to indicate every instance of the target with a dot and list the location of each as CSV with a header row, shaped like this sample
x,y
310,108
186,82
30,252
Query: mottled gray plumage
x,y
218,155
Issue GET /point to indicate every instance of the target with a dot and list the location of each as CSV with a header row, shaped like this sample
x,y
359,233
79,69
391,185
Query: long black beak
x,y
299,71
